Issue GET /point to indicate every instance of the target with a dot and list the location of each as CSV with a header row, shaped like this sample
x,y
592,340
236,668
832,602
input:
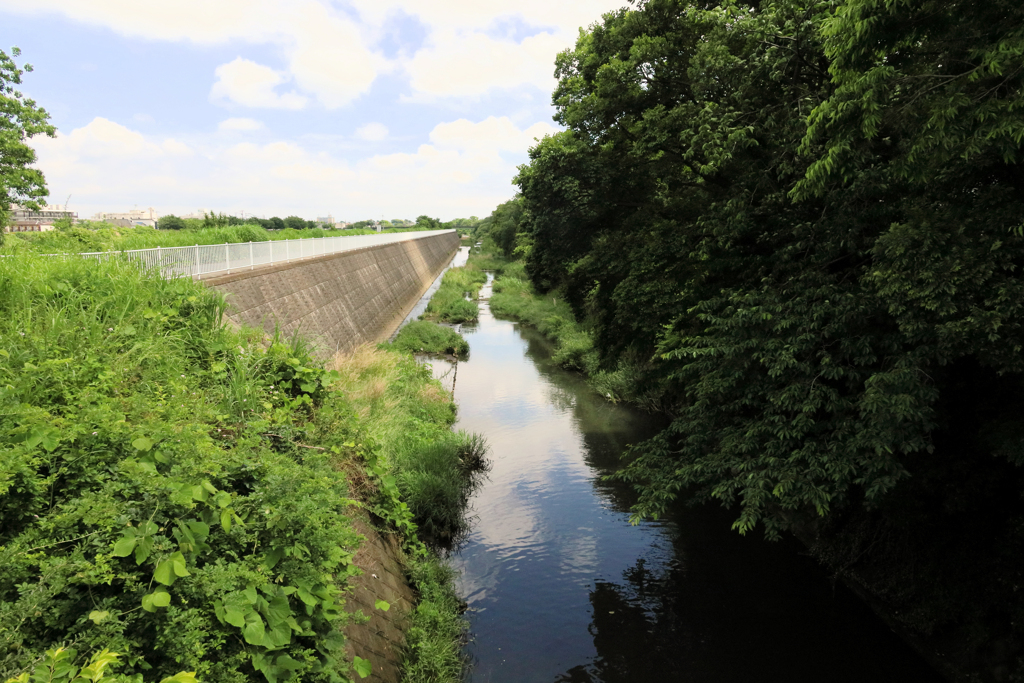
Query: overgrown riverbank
x,y
180,493
939,559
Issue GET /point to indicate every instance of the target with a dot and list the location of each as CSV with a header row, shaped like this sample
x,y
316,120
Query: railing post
x,y
252,266
159,261
227,258
270,244
195,261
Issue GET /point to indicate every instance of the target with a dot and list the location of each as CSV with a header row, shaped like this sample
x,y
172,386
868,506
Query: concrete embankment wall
x,y
342,300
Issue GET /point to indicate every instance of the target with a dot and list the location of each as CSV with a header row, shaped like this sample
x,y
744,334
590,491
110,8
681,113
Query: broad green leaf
x,y
234,616
273,557
382,605
200,530
288,662
254,631
363,667
178,564
278,610
125,546
182,677
143,443
164,573
225,520
161,598
97,616
143,549
307,597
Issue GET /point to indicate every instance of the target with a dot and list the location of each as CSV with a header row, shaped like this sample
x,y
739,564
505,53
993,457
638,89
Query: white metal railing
x,y
199,260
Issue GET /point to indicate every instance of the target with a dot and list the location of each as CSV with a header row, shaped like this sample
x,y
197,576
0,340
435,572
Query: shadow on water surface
x,y
562,588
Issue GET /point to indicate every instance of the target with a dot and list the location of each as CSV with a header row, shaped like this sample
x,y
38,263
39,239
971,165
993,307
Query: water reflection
x,y
562,588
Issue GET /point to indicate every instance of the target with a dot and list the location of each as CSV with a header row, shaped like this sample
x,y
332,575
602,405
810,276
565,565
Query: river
x,y
560,586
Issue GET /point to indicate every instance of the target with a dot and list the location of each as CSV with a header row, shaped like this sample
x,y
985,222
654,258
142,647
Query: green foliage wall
x,y
807,219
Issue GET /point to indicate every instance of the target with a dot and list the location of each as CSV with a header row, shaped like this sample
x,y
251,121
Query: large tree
x,y
20,119
806,218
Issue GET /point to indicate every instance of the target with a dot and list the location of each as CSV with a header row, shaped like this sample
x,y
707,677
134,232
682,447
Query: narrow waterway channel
x,y
562,588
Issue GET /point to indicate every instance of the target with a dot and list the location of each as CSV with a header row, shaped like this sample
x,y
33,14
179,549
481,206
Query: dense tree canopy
x,y
806,217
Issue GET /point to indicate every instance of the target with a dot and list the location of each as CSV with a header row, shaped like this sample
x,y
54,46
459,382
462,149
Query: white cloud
x,y
326,50
329,53
373,132
239,124
464,170
252,85
492,134
443,70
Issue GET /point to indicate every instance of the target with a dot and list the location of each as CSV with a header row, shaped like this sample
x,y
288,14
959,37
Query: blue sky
x,y
360,109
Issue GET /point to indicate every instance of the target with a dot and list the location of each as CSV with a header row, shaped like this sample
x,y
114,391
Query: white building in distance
x,y
27,220
127,219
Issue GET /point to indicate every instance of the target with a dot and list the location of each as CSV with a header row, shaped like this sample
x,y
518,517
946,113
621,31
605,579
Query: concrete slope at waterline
x,y
342,300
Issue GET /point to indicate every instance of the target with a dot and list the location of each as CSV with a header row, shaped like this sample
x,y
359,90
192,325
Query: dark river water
x,y
561,587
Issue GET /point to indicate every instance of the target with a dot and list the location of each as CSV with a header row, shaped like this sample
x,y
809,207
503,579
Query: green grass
x,y
174,490
423,336
449,303
105,237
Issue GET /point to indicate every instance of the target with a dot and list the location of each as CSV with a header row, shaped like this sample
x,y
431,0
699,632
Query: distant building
x,y
341,225
199,215
26,220
147,217
325,221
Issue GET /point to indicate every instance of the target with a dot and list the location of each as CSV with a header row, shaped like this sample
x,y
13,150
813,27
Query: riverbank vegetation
x,y
804,229
423,336
180,493
455,299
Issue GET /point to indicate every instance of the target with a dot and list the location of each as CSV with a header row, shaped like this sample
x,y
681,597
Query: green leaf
x,y
254,631
164,573
271,559
289,663
225,520
234,616
161,598
143,549
97,616
142,443
307,597
363,667
125,546
382,605
178,564
278,610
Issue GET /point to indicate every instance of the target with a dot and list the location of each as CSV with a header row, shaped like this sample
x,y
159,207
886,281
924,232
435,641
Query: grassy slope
x,y
178,492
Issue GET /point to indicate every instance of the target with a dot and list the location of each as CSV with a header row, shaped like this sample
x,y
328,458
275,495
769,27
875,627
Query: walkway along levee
x,y
341,300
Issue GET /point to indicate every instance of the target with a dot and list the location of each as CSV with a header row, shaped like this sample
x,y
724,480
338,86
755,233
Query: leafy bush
x,y
153,500
422,336
175,491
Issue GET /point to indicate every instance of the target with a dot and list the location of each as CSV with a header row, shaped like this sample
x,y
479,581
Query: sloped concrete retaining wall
x,y
342,300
